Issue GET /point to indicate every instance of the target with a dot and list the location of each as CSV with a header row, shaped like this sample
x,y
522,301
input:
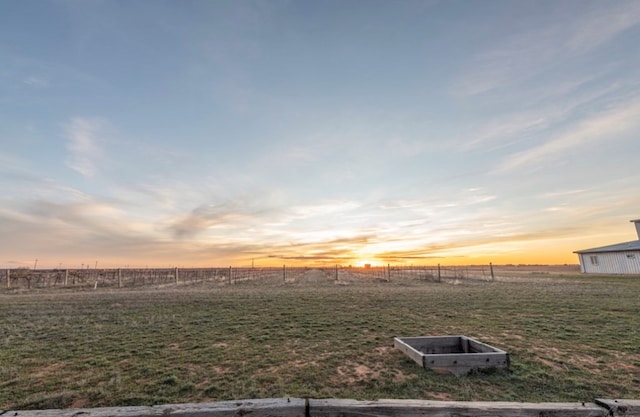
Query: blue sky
x,y
179,133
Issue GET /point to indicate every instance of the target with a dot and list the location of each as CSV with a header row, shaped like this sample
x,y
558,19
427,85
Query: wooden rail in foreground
x,y
299,407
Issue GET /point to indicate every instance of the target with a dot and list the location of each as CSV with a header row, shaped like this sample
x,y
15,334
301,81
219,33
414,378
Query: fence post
x,y
8,278
336,272
66,277
491,269
176,275
284,273
388,272
230,271
439,276
119,278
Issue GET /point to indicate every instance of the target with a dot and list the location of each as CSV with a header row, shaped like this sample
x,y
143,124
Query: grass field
x,y
570,338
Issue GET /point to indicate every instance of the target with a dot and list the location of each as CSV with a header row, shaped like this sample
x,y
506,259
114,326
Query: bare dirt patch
x,y
552,364
383,350
353,372
440,396
401,377
49,370
80,403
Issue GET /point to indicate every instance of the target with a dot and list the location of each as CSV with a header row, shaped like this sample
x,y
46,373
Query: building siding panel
x,y
611,263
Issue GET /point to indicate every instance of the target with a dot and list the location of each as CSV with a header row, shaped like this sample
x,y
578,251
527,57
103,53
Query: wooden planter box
x,y
451,354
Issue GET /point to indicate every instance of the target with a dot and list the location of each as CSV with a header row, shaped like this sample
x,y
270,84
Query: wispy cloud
x,y
519,126
603,24
531,52
36,81
207,216
327,208
70,224
606,126
84,143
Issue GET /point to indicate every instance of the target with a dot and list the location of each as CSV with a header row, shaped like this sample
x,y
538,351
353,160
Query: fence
x,y
298,407
23,278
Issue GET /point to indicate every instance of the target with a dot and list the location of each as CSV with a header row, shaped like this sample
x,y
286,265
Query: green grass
x,y
569,339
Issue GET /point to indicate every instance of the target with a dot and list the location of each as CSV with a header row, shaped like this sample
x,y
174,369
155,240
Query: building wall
x,y
610,262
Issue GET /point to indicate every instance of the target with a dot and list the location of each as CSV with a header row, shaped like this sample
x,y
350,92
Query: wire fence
x,y
23,278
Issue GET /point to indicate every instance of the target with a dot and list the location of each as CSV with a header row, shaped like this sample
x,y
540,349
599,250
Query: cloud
x,y
328,251
526,54
42,221
35,81
471,246
324,208
210,215
602,25
14,168
604,127
502,65
88,229
554,195
511,128
81,229
84,143
232,216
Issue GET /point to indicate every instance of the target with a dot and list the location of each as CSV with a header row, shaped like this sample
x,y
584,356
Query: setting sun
x,y
365,263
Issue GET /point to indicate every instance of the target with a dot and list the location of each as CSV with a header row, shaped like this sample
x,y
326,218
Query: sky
x,y
212,133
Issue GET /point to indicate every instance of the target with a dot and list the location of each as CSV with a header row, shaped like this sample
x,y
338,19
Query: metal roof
x,y
618,247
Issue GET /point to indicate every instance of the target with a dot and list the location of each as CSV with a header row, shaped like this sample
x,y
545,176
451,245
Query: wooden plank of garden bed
x,y
421,408
268,407
621,408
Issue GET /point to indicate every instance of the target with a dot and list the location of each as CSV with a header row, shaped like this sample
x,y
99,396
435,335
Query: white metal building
x,y
621,258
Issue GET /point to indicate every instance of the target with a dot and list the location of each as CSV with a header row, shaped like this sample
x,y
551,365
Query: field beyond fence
x,y
23,278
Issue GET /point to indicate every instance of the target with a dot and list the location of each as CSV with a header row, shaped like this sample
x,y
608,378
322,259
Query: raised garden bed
x,y
451,354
